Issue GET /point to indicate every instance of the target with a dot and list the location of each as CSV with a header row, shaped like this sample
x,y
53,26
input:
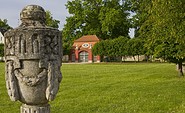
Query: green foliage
x,y
3,28
113,48
106,19
66,44
163,29
168,28
100,48
136,47
141,9
1,50
113,19
118,47
4,25
50,21
83,19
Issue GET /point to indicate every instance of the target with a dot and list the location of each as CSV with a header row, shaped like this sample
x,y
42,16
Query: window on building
x,y
83,56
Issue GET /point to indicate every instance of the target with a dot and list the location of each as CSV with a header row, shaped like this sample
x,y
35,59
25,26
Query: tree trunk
x,y
180,69
138,58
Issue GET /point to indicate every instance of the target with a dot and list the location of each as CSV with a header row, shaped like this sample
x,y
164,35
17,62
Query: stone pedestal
x,y
35,109
33,59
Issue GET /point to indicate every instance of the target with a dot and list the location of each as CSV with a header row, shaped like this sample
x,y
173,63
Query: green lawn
x,y
113,88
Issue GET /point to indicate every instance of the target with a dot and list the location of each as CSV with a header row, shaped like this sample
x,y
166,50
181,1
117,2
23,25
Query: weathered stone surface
x,y
33,60
35,109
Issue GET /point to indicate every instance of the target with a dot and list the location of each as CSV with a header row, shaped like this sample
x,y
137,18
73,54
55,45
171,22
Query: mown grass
x,y
113,88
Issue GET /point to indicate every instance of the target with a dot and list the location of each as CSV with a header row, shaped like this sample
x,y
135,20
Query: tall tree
x,y
105,18
139,9
114,19
166,35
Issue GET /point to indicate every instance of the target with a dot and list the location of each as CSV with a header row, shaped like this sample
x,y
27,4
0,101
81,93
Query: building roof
x,y
88,38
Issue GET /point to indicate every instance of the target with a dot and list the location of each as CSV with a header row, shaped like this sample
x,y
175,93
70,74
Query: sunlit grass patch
x,y
113,88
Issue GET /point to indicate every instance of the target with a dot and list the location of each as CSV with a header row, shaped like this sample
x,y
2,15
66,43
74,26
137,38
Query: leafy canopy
x,y
108,19
167,30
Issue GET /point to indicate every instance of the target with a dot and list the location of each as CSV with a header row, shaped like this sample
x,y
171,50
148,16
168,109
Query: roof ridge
x,y
87,38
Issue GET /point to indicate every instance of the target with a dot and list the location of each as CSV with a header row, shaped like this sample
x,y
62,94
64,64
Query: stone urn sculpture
x,y
33,60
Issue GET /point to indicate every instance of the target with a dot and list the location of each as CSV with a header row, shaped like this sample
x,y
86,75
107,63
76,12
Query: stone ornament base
x,y
35,109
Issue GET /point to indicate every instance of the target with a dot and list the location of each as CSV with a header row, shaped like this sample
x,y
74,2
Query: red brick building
x,y
82,49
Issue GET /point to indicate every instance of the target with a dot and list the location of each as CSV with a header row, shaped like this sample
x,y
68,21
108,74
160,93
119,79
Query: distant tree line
x,y
158,23
159,27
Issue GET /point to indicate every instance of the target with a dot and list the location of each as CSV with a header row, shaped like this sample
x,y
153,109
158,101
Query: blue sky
x,y
10,10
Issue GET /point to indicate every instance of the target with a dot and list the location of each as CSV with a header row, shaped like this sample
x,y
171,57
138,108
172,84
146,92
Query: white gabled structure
x,y
2,31
1,38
